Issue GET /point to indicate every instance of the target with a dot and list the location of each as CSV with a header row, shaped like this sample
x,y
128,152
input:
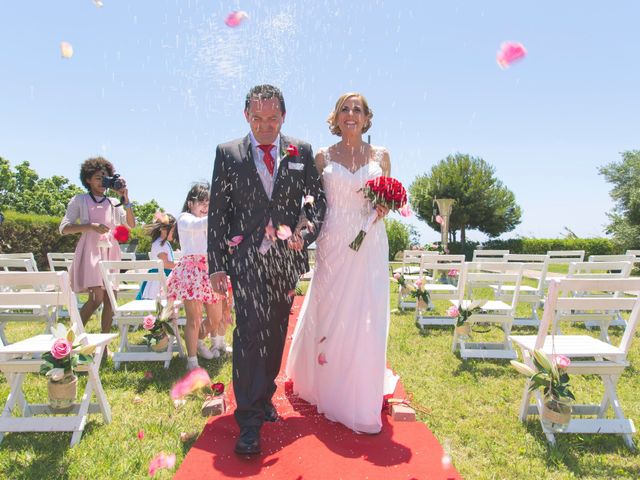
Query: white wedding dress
x,y
337,359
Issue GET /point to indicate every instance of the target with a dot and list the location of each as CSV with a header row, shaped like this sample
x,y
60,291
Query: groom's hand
x,y
219,282
296,242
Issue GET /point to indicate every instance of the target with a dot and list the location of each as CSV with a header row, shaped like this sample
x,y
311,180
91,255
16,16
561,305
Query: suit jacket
x,y
239,204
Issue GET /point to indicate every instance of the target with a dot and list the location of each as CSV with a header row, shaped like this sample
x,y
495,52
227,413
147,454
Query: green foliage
x,y
22,190
399,236
144,212
38,234
625,217
591,246
482,201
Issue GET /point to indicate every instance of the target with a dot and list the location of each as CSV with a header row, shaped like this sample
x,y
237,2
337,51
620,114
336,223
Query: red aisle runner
x,y
303,445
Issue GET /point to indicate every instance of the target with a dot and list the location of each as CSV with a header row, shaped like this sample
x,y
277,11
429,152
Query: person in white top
x,y
161,231
189,280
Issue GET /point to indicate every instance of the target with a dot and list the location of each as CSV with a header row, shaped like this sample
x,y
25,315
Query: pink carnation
x,y
192,381
61,348
397,276
453,273
419,282
453,311
148,322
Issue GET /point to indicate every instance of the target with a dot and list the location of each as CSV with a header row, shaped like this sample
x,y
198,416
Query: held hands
x,y
296,242
219,282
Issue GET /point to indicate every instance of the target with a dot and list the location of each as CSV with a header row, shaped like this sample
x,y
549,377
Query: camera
x,y
114,183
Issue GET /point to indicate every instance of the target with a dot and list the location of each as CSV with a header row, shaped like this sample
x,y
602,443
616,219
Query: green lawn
x,y
474,408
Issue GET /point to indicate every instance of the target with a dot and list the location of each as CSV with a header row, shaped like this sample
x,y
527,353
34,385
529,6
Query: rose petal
x,y
235,241
270,232
137,399
309,199
192,381
322,359
439,219
284,232
234,19
510,52
140,434
161,461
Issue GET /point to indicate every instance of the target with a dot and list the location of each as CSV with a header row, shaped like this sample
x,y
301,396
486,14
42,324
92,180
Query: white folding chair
x,y
612,258
60,261
482,255
22,313
635,253
531,295
479,279
131,314
589,356
20,358
440,285
596,319
410,269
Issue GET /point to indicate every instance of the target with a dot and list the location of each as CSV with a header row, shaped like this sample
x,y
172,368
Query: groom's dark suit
x,y
261,281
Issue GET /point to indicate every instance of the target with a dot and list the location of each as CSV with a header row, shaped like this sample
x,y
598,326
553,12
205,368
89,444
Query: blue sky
x,y
155,85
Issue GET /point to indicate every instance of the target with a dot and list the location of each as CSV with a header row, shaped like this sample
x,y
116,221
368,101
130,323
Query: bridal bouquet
x,y
385,191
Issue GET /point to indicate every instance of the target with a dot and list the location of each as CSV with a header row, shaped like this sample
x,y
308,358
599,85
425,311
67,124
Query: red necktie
x,y
267,158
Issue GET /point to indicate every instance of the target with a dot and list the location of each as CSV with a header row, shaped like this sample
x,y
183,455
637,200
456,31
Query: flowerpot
x,y
453,281
63,394
556,414
463,331
404,292
422,305
161,345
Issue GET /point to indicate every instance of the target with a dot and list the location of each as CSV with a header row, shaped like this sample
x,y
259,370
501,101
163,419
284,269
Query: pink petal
x,y
235,241
140,434
510,52
292,293
309,199
284,232
192,381
452,311
405,211
234,19
161,461
439,219
137,399
322,359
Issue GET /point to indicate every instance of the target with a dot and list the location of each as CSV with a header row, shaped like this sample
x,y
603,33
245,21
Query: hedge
x,y
24,232
591,246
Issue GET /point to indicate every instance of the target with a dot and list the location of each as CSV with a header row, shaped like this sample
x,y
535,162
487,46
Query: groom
x,y
258,185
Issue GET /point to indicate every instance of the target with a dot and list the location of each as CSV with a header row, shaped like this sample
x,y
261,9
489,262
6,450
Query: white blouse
x,y
192,232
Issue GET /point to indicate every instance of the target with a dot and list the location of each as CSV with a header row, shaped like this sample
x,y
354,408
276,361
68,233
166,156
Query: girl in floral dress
x,y
189,280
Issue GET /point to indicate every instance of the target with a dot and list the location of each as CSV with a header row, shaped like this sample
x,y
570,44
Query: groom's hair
x,y
264,92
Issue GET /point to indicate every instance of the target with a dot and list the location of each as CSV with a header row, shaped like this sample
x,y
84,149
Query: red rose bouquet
x,y
385,191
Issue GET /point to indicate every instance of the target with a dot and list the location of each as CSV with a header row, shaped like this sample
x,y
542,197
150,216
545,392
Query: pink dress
x,y
94,247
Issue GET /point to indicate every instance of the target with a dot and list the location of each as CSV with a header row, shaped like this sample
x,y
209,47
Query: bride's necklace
x,y
94,198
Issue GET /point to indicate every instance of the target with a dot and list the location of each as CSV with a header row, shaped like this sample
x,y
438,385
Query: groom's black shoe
x,y
249,441
270,413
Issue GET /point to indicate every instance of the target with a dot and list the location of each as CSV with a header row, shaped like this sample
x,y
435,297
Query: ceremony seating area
x,y
491,416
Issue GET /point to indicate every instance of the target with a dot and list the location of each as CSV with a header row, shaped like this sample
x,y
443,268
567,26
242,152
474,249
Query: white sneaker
x,y
203,351
215,353
192,365
220,345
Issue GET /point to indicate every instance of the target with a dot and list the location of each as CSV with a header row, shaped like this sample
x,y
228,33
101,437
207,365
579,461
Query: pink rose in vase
x,y
61,348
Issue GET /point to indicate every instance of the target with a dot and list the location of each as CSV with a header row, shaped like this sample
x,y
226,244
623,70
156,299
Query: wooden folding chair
x,y
22,262
531,295
20,358
131,314
410,269
481,255
589,356
596,319
479,279
435,270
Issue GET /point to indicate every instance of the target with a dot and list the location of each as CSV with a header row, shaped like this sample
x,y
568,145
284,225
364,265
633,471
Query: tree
x,y
24,191
482,201
625,216
400,236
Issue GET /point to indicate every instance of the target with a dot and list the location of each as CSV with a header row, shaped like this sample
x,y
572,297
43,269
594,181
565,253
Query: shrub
x,y
591,246
399,236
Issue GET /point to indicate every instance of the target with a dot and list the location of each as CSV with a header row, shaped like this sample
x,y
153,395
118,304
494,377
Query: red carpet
x,y
303,445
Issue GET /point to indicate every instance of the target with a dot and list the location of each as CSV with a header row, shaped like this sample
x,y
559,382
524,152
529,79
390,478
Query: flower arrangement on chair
x,y
551,376
421,295
462,313
159,327
59,365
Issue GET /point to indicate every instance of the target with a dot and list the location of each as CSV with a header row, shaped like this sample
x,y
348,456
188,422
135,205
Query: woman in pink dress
x,y
95,216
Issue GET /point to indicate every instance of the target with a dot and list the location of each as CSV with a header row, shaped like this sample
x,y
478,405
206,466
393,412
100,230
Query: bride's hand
x,y
382,211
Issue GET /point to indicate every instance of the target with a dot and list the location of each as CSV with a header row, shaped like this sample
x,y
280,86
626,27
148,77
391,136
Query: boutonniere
x,y
290,151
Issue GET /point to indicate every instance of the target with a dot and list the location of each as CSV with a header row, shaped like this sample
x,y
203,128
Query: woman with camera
x,y
94,216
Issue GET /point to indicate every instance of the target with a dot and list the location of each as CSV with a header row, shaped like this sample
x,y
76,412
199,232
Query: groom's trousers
x,y
262,304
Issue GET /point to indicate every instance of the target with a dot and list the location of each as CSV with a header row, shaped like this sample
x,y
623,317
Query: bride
x,y
337,359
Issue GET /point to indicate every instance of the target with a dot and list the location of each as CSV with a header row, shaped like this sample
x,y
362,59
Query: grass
x,y
474,408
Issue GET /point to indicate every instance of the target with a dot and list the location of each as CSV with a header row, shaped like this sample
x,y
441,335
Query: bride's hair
x,y
333,116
